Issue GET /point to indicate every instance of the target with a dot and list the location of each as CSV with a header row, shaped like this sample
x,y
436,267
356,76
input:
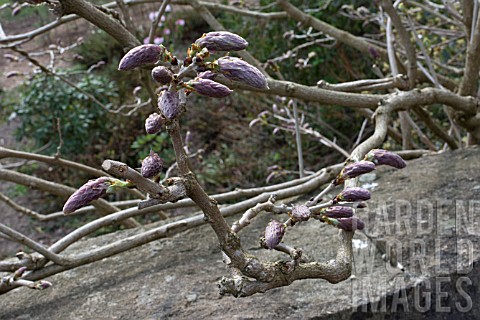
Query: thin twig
x,y
298,139
35,246
156,21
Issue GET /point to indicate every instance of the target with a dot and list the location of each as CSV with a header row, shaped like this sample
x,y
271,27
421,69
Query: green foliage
x,y
83,123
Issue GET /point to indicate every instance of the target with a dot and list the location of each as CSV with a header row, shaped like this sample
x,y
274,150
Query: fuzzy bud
x,y
353,194
152,165
162,75
350,224
154,123
236,69
274,233
222,41
92,190
169,104
355,169
300,213
209,88
337,212
141,55
380,156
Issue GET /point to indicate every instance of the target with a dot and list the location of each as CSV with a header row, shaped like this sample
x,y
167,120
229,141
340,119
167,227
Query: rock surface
x,y
426,217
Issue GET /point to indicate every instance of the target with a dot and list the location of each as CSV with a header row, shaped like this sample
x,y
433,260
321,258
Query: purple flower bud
x,y
154,123
222,41
337,212
238,70
356,169
300,213
152,165
141,55
169,104
209,88
380,156
353,194
350,224
162,75
92,190
274,233
207,75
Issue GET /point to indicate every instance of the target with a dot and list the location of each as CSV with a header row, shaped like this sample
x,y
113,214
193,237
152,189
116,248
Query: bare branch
x,y
405,40
60,190
156,21
333,271
398,81
342,36
472,63
434,127
102,20
23,239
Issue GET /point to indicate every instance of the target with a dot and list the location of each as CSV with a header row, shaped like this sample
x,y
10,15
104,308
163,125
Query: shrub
x,y
83,123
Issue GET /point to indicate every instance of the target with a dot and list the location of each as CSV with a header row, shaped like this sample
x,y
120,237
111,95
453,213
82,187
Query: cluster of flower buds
x,y
169,102
151,165
343,216
92,190
372,159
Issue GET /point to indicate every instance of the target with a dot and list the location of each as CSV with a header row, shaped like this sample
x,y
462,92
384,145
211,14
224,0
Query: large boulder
x,y
420,260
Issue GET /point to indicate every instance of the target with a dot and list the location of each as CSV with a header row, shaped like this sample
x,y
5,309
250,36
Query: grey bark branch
x,y
23,239
434,127
405,40
53,160
102,20
340,35
163,231
156,21
60,190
